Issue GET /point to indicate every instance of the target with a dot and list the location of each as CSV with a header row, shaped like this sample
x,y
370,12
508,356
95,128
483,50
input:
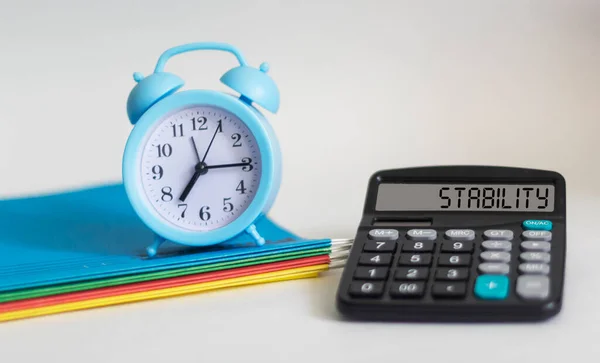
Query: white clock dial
x,y
200,168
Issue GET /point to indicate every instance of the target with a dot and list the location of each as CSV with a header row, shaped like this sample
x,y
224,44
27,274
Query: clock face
x,y
200,168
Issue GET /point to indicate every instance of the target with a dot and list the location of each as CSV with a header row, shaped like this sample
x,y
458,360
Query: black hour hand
x,y
189,186
200,169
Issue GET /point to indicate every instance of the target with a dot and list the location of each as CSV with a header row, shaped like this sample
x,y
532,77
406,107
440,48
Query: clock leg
x,y
254,233
152,250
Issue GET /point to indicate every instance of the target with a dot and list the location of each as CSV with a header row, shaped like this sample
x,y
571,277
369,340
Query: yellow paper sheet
x,y
275,276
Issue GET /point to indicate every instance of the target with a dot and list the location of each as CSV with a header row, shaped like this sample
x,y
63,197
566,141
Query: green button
x,y
537,225
491,287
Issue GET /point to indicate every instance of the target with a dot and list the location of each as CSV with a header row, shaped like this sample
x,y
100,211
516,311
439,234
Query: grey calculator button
x,y
537,235
499,234
383,234
534,268
533,287
495,256
422,234
535,257
497,245
535,246
460,234
494,268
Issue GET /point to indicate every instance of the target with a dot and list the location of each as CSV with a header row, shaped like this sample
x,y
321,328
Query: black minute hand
x,y
226,165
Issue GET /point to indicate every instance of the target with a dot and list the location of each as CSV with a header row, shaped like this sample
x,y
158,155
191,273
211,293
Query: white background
x,y
365,85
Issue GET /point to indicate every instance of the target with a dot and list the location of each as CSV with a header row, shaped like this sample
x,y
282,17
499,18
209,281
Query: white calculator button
x,y
537,235
494,268
495,256
383,234
535,257
534,268
497,245
536,246
533,287
499,234
460,234
422,234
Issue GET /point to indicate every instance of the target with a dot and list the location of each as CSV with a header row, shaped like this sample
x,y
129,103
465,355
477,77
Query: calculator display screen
x,y
465,197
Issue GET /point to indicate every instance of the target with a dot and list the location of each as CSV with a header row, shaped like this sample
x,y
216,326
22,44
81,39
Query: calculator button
x,y
422,234
375,259
426,246
535,257
454,260
496,245
457,246
492,268
380,246
491,287
366,289
371,273
460,234
535,246
537,235
407,289
384,234
537,225
534,268
533,287
452,274
449,289
499,234
414,273
417,259
495,256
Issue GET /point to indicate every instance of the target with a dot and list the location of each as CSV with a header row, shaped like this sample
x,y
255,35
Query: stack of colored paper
x,y
86,248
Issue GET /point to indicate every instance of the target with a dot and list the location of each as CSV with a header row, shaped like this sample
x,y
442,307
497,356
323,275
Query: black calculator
x,y
458,243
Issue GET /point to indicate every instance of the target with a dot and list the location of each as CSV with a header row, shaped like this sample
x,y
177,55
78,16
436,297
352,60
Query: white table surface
x,y
364,86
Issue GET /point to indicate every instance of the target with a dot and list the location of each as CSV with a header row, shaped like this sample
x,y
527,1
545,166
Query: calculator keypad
x,y
456,263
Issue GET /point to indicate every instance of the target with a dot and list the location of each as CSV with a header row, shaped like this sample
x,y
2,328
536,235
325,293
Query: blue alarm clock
x,y
201,166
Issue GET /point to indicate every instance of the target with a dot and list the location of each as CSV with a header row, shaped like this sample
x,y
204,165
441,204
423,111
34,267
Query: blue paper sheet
x,y
94,233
